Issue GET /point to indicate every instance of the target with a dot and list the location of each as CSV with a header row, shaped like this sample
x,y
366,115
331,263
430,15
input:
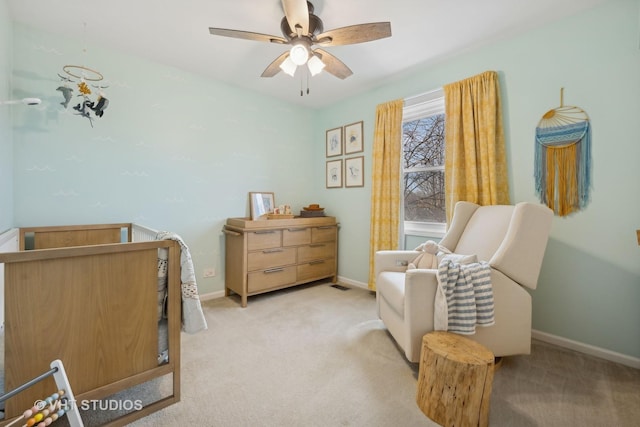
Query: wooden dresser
x,y
266,255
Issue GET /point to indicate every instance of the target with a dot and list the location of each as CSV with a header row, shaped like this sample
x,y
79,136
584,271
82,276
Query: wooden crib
x,y
88,295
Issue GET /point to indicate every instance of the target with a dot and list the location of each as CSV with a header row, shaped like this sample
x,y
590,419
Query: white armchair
x,y
512,239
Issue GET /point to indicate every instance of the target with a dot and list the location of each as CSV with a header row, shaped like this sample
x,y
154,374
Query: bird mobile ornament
x,y
92,102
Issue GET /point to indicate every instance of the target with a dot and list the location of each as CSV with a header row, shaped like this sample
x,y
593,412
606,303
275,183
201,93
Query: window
x,y
423,165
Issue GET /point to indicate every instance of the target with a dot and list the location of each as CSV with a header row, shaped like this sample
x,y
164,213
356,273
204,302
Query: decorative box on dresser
x,y
270,254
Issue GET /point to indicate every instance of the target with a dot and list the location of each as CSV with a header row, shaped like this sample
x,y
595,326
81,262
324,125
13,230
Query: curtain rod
x,y
426,96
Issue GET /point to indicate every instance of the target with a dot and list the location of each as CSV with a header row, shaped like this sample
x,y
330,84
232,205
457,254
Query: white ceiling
x,y
176,33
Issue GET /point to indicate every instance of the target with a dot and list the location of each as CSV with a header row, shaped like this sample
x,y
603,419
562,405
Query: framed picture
x,y
354,172
334,142
353,138
261,204
334,173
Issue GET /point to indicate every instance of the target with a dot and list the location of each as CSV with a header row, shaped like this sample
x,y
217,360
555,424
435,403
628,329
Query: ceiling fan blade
x,y
274,67
246,35
354,34
333,65
297,14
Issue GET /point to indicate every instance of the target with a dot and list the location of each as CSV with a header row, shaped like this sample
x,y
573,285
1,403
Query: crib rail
x,y
9,240
62,236
106,349
8,243
140,233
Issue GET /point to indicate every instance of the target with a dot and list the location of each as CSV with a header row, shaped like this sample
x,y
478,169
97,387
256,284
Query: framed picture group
x,y
345,140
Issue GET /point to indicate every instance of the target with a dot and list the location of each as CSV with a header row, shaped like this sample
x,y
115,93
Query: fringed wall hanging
x,y
563,159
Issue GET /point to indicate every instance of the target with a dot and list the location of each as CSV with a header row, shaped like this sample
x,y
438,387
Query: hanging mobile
x,y
88,107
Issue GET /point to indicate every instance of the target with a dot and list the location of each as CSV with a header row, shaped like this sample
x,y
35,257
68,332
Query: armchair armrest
x,y
393,260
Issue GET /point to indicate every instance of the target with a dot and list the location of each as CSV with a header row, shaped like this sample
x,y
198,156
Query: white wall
x,y
173,151
589,288
6,130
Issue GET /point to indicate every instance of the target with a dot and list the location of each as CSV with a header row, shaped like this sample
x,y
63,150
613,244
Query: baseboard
x,y
211,295
344,281
602,353
341,280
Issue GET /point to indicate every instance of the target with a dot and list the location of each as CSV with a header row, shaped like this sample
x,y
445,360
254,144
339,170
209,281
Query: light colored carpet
x,y
318,356
315,355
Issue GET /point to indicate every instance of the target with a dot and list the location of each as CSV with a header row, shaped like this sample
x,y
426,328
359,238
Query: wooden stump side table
x,y
454,380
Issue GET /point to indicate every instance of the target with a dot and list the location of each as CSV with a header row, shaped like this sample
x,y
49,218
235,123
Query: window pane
x,y
424,196
423,142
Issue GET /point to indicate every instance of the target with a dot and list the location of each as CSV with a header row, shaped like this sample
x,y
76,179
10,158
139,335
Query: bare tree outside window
x,y
423,164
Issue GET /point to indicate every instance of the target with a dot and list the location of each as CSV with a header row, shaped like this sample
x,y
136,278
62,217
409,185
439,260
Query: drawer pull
x,y
317,245
274,270
320,261
271,251
295,229
265,232
325,227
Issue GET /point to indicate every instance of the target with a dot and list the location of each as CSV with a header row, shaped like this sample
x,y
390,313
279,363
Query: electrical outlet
x,y
209,272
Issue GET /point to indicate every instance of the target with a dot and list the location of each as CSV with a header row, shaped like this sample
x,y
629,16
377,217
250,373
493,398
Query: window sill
x,y
423,229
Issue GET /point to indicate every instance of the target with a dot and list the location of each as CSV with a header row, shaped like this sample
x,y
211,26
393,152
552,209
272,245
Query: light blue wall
x,y
173,151
6,146
179,152
589,289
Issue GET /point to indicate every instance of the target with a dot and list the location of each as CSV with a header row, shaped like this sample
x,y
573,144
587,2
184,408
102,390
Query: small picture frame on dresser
x,y
261,204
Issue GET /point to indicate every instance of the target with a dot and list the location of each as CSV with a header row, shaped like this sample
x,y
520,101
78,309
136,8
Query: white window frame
x,y
416,107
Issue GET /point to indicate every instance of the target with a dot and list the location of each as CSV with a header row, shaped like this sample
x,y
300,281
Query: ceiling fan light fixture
x,y
288,66
315,65
299,54
302,30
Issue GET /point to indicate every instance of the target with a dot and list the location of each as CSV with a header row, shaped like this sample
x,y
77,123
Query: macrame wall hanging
x,y
563,159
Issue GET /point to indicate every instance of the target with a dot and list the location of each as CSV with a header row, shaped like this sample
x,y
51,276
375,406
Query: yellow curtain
x,y
385,185
475,160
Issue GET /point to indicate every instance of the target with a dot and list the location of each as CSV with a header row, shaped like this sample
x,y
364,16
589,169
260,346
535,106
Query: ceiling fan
x,y
302,30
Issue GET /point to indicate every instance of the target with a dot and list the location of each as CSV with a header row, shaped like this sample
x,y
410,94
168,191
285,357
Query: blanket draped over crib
x,y
464,297
192,315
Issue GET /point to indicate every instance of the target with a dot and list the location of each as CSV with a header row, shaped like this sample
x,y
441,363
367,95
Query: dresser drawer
x,y
296,236
316,269
316,251
264,239
266,255
273,257
323,234
271,278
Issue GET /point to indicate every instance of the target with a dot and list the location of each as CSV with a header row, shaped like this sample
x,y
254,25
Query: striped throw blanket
x,y
464,297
